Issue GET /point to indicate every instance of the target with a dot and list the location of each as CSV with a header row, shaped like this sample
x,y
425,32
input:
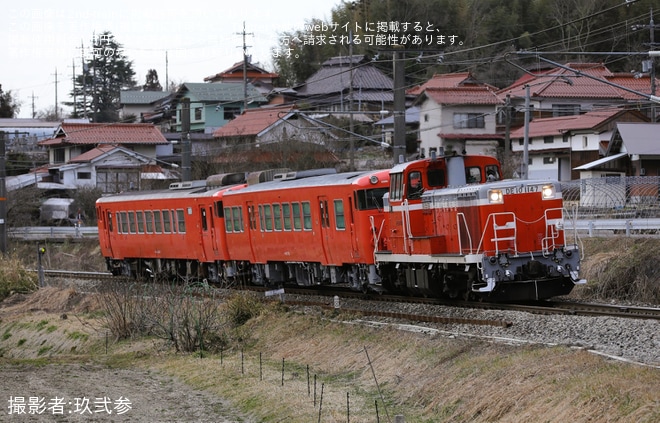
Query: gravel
x,y
626,339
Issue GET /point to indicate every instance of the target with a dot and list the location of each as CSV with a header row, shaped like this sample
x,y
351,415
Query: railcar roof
x,y
335,179
162,194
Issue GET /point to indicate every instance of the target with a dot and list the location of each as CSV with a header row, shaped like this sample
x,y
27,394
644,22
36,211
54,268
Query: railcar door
x,y
205,232
326,230
255,235
105,229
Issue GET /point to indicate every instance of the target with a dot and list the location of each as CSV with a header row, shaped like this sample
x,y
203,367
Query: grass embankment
x,y
262,361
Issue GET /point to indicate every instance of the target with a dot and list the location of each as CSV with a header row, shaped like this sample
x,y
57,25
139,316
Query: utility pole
x,y
34,113
399,142
85,70
351,124
3,197
167,73
57,112
73,79
245,63
186,174
651,61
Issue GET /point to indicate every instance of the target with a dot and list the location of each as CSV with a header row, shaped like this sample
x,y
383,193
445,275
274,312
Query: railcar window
x,y
149,218
182,221
124,222
370,199
110,221
340,220
268,217
295,208
237,212
307,215
131,222
219,211
140,222
228,220
158,228
277,216
202,213
435,178
166,222
286,214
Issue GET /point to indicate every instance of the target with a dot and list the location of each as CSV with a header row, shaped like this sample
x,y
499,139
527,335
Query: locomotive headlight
x,y
548,192
495,196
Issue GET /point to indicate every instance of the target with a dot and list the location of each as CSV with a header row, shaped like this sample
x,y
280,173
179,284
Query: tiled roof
x,y
557,125
463,95
252,121
92,154
106,133
237,70
444,80
220,92
334,76
562,83
141,97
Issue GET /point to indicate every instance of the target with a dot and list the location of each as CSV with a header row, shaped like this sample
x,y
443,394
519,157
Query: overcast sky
x,y
201,38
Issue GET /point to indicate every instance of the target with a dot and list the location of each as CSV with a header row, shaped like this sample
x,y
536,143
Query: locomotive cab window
x,y
396,187
435,178
473,175
492,173
415,188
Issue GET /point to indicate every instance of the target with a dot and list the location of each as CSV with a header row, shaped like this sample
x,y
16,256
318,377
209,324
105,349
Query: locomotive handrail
x,y
495,229
553,226
376,236
407,235
460,216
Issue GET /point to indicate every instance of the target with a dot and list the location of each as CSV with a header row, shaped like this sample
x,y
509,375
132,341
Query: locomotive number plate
x,y
522,189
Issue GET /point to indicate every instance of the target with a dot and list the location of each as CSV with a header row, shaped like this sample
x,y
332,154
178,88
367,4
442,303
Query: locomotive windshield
x,y
370,199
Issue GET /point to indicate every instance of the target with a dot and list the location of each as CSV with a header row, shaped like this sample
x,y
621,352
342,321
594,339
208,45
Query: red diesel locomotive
x,y
439,226
456,228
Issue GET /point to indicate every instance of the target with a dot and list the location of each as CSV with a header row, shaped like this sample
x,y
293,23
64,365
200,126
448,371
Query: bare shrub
x,y
179,313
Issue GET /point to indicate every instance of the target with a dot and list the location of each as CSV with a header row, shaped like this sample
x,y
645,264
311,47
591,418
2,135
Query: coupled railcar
x,y
310,230
457,229
173,232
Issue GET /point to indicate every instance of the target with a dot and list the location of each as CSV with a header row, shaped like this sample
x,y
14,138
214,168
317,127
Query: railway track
x,y
330,298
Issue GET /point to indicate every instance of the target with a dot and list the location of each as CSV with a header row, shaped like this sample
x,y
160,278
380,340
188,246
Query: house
x,y
329,89
76,148
633,151
557,92
212,105
239,72
280,128
136,104
457,113
556,145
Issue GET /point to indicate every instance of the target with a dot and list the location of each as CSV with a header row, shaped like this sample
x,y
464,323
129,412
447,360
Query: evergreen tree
x,y
152,83
108,71
9,106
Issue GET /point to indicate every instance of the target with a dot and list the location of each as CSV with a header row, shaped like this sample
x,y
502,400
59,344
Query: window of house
x,y
548,139
469,120
84,175
565,110
230,113
585,141
548,160
198,113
